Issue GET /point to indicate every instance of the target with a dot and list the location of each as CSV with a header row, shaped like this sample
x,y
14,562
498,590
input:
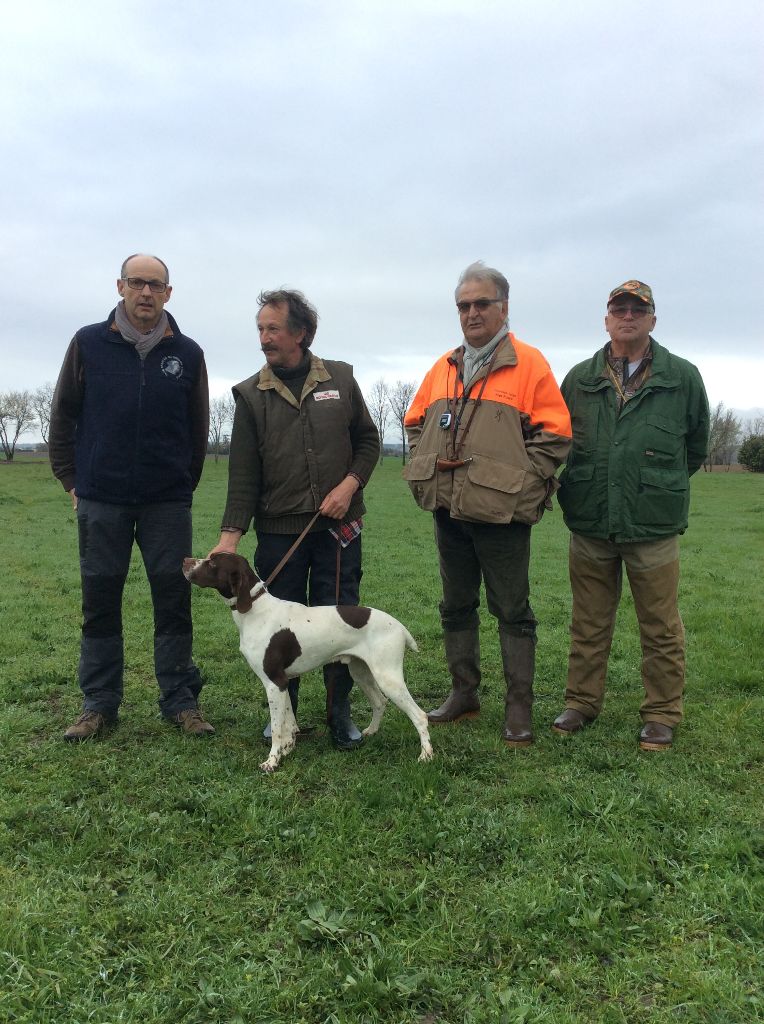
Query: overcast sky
x,y
365,152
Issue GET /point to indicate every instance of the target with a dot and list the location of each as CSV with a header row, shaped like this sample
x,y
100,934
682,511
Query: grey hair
x,y
301,314
123,270
478,271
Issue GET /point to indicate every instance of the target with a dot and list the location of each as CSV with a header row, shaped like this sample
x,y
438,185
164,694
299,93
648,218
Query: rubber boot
x,y
518,655
293,687
463,660
344,733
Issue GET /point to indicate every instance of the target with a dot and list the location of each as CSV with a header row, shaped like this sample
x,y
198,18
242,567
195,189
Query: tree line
x,y
22,411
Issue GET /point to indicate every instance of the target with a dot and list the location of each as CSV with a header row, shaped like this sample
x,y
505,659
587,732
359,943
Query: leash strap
x,y
289,554
339,558
456,448
292,550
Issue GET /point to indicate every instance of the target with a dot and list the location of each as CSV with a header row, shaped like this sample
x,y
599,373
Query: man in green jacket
x,y
640,430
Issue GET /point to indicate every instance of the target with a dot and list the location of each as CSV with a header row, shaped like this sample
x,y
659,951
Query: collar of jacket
x,y
662,375
172,328
268,381
506,355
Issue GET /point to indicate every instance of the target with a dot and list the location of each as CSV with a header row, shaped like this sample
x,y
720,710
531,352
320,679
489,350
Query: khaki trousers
x,y
596,578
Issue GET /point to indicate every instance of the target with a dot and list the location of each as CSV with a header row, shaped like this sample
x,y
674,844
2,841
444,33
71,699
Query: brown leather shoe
x,y
656,736
458,704
88,725
192,721
570,721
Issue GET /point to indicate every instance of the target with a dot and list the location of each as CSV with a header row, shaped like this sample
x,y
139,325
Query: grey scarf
x,y
143,342
475,358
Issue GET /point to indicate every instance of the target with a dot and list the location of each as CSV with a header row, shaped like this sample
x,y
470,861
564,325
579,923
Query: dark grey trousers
x,y
106,536
499,554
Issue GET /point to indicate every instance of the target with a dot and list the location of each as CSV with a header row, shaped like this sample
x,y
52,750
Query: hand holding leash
x,y
337,501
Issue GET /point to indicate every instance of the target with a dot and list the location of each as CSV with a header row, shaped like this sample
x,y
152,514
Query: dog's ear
x,y
240,584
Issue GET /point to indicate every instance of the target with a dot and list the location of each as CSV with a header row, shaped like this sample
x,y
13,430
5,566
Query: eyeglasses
x,y
481,305
138,284
637,310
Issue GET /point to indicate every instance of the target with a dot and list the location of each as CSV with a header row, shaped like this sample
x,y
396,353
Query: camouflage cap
x,y
638,289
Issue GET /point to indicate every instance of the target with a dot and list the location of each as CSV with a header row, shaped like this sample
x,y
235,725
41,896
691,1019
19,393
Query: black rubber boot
x,y
463,660
345,734
518,655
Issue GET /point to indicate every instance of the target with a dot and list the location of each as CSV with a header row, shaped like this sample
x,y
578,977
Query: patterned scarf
x,y
627,383
475,358
143,342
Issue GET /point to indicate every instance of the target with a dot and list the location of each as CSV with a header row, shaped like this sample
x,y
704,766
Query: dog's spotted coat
x,y
281,640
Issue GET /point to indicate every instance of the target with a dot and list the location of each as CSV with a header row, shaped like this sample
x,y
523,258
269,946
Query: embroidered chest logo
x,y
321,396
172,367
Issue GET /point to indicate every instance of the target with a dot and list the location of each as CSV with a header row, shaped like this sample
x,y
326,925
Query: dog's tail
x,y
410,641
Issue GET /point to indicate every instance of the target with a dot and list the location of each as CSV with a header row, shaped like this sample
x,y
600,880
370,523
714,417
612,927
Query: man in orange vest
x,y
487,430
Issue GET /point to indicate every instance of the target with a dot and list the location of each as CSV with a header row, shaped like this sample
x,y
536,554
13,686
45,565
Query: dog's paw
x,y
268,766
427,754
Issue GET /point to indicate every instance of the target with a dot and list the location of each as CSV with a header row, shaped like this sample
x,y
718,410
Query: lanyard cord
x,y
456,417
616,384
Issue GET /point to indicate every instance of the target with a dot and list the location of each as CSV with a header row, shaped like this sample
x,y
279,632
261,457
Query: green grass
x,y
152,878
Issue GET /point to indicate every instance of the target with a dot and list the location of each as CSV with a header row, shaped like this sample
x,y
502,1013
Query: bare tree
x,y
42,399
378,404
16,418
755,427
221,414
401,394
724,433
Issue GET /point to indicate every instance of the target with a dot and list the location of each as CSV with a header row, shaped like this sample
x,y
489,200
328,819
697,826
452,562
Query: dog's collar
x,y
232,601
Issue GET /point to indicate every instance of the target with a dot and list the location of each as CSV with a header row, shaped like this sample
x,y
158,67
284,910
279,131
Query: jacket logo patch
x,y
172,367
320,396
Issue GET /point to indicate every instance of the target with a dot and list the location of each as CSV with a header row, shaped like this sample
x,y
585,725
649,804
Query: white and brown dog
x,y
281,639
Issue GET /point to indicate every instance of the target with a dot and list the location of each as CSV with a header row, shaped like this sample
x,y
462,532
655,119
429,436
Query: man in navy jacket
x,y
128,435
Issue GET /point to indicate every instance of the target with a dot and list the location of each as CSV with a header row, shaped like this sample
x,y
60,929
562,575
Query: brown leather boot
x,y
518,655
89,725
463,660
192,722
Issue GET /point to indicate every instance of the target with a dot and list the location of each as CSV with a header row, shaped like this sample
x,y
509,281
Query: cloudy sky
x,y
365,152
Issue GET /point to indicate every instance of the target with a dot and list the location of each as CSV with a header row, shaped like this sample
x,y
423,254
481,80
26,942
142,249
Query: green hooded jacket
x,y
628,474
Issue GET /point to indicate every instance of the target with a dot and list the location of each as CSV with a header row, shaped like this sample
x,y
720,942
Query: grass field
x,y
152,878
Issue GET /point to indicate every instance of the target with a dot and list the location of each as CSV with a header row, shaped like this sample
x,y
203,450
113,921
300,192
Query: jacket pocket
x,y
663,498
577,495
663,440
535,497
490,491
420,475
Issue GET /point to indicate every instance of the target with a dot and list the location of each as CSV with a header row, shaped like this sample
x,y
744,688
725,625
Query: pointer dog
x,y
281,639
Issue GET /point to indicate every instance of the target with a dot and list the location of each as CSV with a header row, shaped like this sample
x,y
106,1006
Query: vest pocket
x,y
490,490
420,475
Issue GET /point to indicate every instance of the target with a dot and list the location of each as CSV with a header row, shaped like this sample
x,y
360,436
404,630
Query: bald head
x,y
145,256
144,287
